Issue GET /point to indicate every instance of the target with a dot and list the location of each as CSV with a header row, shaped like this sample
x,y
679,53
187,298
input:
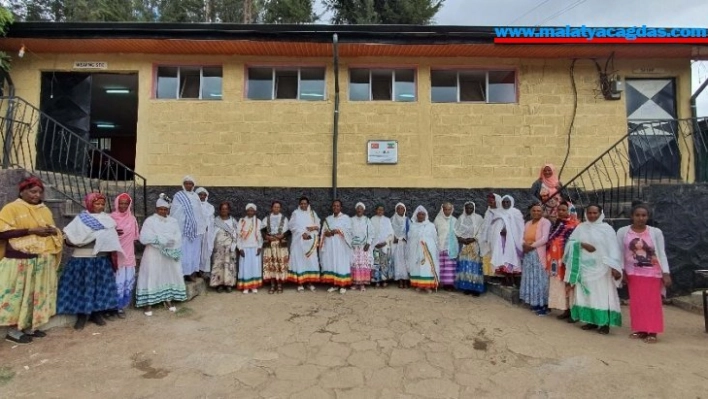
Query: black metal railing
x,y
70,163
652,152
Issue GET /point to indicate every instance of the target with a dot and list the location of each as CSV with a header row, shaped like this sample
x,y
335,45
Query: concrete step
x,y
692,303
194,289
509,294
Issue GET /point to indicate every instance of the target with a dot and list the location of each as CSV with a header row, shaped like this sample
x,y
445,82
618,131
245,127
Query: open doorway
x,y
102,108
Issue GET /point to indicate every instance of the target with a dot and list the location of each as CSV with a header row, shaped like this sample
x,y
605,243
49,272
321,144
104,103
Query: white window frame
x,y
393,83
274,89
486,85
201,82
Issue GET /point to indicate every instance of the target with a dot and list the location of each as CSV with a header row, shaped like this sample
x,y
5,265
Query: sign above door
x,y
90,65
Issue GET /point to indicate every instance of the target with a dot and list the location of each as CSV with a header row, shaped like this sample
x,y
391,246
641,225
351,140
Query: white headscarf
x,y
162,201
419,209
186,179
251,206
360,204
469,226
399,223
445,225
603,237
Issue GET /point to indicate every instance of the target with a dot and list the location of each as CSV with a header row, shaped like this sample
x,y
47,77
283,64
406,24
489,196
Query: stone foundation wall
x,y
320,198
682,214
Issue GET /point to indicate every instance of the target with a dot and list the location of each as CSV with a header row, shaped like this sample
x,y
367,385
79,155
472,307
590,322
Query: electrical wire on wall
x,y
572,118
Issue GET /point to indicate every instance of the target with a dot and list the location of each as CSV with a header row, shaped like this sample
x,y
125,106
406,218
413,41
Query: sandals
x,y
271,290
588,327
638,335
650,339
604,330
279,290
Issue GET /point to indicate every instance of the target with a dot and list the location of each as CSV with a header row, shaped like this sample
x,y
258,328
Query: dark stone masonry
x,y
320,198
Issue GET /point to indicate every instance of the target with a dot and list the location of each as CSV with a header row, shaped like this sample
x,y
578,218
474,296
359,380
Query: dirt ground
x,y
379,344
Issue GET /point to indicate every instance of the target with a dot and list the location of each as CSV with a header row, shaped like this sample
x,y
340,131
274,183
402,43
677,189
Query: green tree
x,y
181,11
288,12
406,12
5,20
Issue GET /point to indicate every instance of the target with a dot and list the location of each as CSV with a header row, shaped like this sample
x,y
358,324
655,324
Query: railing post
x,y
7,145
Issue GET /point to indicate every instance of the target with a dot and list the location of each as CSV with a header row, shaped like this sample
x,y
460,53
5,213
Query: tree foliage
x,y
405,12
289,12
5,20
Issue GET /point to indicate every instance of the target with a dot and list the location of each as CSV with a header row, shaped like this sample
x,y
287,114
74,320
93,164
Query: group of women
x,y
563,264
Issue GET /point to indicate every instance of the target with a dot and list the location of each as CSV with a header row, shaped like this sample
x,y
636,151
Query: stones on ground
x,y
334,349
311,393
364,346
342,378
215,364
346,337
435,388
421,370
252,376
319,338
402,357
295,350
357,393
367,360
386,377
297,373
386,344
411,339
382,333
283,389
441,360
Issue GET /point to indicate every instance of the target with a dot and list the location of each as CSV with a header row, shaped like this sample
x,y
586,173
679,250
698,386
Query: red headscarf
x,y
550,182
91,198
126,222
30,182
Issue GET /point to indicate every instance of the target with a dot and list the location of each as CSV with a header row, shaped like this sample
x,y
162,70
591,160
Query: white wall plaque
x,y
382,152
649,70
90,65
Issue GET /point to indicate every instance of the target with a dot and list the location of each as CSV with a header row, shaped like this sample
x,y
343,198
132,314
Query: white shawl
x,y
469,226
106,239
445,226
399,223
607,254
383,230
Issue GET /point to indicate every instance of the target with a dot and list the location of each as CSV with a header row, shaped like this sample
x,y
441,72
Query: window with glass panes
x,y
493,86
367,84
297,83
189,82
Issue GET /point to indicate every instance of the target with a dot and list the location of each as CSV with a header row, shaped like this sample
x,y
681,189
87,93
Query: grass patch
x,y
184,311
6,375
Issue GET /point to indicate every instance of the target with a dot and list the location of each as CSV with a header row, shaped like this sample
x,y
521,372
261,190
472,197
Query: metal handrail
x,y
38,143
665,151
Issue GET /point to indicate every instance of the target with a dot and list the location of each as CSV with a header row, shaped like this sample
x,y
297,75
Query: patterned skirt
x,y
125,280
534,281
361,267
250,272
223,269
87,285
275,262
383,266
28,291
448,266
469,275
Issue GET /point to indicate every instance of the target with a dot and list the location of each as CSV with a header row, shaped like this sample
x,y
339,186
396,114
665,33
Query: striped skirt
x,y
534,280
250,274
448,266
361,267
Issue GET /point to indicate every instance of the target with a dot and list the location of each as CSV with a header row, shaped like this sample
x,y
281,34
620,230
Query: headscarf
x,y
419,209
251,206
360,204
400,224
126,222
587,266
91,198
162,202
445,226
30,182
550,182
190,179
469,226
200,190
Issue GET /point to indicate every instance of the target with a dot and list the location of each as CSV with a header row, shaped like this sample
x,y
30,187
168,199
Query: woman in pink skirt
x,y
646,272
362,256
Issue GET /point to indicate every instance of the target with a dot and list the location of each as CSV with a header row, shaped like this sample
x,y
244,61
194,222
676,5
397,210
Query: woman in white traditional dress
x,y
383,239
250,246
507,233
187,209
362,254
208,238
275,252
488,236
401,224
448,247
304,265
223,271
336,249
469,277
422,252
160,276
594,267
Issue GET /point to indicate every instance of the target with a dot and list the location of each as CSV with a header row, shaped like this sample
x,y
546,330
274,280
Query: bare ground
x,y
379,344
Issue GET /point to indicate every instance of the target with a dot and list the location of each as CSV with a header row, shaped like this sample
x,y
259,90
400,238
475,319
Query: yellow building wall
x,y
288,143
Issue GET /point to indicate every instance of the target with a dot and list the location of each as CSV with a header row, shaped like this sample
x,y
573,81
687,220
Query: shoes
x,y
121,314
173,309
332,289
300,289
245,291
37,334
24,339
81,320
342,291
148,313
312,288
97,319
255,291
219,289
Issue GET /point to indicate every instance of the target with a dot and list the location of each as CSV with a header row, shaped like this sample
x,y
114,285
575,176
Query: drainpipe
x,y
700,173
9,117
335,128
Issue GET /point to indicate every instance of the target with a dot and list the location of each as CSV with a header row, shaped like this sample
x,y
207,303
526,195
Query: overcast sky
x,y
664,13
